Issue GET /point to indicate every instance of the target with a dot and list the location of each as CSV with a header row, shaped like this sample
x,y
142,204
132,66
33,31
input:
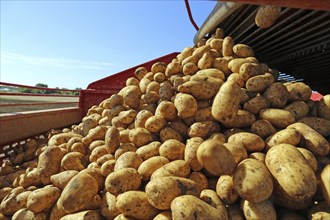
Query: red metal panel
x,y
101,89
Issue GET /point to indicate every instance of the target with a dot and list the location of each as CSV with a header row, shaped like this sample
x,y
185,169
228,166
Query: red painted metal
x,y
190,15
101,89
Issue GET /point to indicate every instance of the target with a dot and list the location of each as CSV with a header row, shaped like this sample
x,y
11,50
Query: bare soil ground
x,y
34,99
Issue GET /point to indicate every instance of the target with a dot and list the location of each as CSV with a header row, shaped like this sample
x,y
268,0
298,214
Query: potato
x,y
32,178
323,107
128,159
256,104
203,129
299,91
251,142
226,102
81,189
234,212
242,50
148,166
61,138
49,163
132,95
179,168
190,153
140,136
166,110
325,178
227,46
173,68
298,108
83,215
210,197
309,157
60,180
27,214
189,68
201,90
135,204
164,215
161,191
235,64
155,123
285,136
179,126
200,179
149,150
185,104
4,192
205,61
158,67
263,128
96,133
108,167
313,141
140,72
252,181
248,70
260,82
277,94
215,158
186,52
321,125
261,210
278,117
169,133
122,180
159,77
14,201
225,189
237,150
74,161
243,119
190,59
296,192
199,51
221,64
267,15
237,78
258,156
141,118
191,207
172,149
216,43
108,207
43,199
98,152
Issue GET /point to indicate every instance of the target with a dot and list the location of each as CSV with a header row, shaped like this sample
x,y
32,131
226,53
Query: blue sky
x,y
73,43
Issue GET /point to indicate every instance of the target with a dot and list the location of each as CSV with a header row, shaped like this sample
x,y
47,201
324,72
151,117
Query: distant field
x,y
34,99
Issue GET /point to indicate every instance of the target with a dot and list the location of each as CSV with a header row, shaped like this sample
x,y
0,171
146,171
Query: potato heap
x,y
211,135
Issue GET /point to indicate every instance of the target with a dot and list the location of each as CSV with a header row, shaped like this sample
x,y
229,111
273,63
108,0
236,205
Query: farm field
x,y
9,99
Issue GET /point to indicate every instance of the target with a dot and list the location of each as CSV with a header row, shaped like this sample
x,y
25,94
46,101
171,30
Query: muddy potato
x,y
155,123
179,168
190,153
60,180
81,189
256,104
190,207
205,61
248,70
263,128
203,129
199,51
298,108
180,127
311,159
321,125
97,153
251,142
296,192
226,102
242,50
279,118
162,191
253,181
172,150
189,69
149,150
227,46
225,189
237,78
277,94
140,136
258,156
285,136
122,180
201,90
108,167
148,166
298,91
14,201
43,199
323,107
261,210
312,140
237,150
215,158
267,15
173,68
235,64
108,206
185,104
167,110
74,161
221,64
260,82
200,179
128,159
169,133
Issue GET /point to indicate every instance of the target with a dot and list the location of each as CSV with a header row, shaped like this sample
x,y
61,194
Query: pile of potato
x,y
211,135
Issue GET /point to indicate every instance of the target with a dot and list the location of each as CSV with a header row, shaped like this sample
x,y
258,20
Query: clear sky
x,y
69,44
